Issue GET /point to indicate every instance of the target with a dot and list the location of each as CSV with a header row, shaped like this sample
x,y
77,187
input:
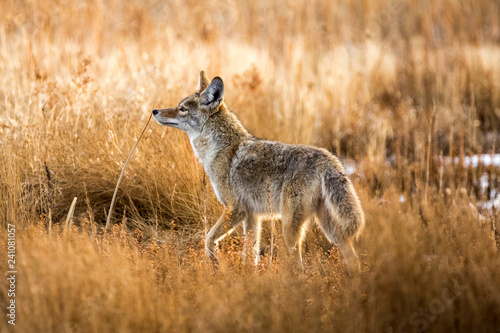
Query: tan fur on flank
x,y
305,182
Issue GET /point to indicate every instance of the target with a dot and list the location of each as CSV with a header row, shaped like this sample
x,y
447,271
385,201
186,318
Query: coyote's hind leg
x,y
294,218
350,256
252,226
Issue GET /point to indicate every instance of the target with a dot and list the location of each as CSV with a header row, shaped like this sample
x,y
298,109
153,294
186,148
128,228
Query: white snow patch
x,y
484,159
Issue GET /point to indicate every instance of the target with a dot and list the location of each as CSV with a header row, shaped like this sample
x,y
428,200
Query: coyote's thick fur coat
x,y
303,182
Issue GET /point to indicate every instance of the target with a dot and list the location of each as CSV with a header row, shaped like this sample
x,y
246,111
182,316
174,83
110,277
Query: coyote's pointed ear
x,y
212,96
203,82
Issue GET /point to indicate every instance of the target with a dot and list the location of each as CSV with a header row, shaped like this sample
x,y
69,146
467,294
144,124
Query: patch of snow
x,y
484,159
350,168
469,161
488,205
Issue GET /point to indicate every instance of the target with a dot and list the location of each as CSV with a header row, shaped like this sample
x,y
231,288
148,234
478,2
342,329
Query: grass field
x,y
406,93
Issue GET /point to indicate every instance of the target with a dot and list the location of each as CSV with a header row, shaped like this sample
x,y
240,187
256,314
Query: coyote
x,y
302,182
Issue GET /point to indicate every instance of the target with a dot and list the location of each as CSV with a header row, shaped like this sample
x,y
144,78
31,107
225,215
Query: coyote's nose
x,y
155,112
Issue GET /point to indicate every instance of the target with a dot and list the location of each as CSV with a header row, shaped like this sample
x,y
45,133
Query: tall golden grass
x,y
404,90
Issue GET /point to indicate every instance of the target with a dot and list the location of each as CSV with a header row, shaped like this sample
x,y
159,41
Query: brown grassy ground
x,y
398,88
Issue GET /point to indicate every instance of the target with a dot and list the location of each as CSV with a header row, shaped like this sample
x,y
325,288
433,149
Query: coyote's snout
x,y
304,182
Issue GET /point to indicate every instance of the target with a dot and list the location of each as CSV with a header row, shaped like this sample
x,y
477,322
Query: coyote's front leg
x,y
229,220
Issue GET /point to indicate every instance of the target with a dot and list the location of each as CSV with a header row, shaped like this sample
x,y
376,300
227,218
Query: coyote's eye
x,y
183,109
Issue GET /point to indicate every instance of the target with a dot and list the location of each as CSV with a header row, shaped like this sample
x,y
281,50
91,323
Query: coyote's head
x,y
193,111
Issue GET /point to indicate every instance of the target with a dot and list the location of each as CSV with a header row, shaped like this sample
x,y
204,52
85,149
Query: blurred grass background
x,y
405,92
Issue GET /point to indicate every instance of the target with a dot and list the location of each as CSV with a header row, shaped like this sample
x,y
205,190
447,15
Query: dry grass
x,y
398,88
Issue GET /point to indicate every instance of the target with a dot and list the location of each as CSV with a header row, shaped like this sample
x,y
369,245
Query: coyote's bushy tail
x,y
343,204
